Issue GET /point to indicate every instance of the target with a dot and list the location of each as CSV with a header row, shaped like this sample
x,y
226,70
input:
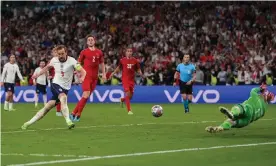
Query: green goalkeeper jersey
x,y
255,104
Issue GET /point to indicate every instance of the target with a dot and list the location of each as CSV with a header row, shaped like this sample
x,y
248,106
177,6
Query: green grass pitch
x,y
106,130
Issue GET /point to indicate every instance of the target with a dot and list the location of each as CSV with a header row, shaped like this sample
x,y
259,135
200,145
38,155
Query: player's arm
x,y
80,70
34,80
4,73
116,70
257,90
81,58
19,74
139,69
103,67
176,75
43,71
194,76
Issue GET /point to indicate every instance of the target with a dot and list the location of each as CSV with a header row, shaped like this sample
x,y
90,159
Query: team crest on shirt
x,y
60,89
189,71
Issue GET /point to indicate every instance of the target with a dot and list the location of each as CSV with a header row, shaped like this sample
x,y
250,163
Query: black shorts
x,y
41,89
9,87
185,89
56,91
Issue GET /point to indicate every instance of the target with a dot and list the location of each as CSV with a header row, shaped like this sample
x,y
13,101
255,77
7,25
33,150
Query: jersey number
x,y
93,60
129,66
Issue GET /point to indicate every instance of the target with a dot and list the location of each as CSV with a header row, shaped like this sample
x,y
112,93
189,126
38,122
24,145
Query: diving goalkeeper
x,y
247,112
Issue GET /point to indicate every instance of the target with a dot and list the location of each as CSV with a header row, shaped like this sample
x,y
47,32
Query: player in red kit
x,y
129,66
90,58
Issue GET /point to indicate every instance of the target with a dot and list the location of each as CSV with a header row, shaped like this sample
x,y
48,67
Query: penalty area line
x,y
142,154
120,125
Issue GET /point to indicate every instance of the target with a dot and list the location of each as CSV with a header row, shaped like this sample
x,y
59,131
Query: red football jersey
x,y
90,61
129,66
52,72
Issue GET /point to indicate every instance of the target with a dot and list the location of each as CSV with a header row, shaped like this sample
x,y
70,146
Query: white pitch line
x,y
122,125
45,155
142,154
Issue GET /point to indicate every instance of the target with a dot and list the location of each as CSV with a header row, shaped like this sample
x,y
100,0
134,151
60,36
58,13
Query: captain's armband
x,y
78,67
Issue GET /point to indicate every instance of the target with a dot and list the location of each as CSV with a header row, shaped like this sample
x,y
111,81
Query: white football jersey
x,y
41,79
64,71
9,71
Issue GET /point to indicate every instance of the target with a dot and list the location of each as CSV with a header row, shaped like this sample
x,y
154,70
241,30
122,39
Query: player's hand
x,y
189,83
143,76
34,77
1,83
50,77
104,78
263,87
174,84
81,80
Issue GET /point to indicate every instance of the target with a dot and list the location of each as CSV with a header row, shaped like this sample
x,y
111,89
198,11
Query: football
x,y
157,111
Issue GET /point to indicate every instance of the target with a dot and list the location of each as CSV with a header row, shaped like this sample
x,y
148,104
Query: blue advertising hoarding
x,y
147,94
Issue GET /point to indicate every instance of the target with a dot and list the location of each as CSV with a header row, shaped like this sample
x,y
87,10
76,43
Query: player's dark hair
x,y
11,56
43,60
88,36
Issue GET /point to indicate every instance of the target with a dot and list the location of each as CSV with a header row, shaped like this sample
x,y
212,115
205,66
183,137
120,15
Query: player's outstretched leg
x,y
226,125
74,112
235,113
36,100
127,101
6,105
185,102
44,99
11,102
226,112
65,111
81,106
40,114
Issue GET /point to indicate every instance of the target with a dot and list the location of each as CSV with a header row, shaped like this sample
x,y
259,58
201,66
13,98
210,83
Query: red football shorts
x,y
128,86
89,85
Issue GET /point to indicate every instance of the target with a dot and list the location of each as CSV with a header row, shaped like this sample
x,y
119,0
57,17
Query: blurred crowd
x,y
231,43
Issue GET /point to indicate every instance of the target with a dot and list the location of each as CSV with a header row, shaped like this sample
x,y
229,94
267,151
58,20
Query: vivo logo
x,y
27,95
202,93
114,95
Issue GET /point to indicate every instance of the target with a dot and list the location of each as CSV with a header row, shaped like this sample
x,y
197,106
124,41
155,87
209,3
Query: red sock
x,y
75,111
127,101
122,99
81,104
58,107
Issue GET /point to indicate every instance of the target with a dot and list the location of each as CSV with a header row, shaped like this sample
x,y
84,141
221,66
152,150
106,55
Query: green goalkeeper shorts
x,y
245,118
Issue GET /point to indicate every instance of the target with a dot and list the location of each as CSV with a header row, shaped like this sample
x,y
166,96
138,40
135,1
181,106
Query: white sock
x,y
10,106
36,99
6,105
37,116
45,99
65,109
65,113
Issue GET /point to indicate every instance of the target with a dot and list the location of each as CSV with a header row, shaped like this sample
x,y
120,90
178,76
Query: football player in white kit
x,y
8,80
64,66
40,83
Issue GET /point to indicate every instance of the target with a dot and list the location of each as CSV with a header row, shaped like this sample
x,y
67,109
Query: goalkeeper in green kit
x,y
247,112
